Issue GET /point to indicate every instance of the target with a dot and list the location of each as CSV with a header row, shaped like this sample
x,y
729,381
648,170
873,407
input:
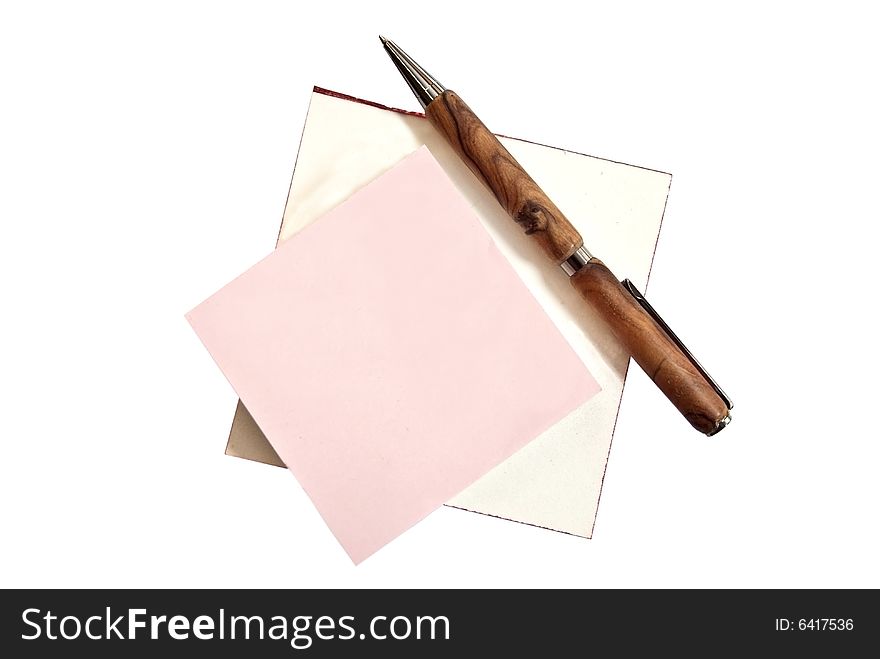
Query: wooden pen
x,y
632,321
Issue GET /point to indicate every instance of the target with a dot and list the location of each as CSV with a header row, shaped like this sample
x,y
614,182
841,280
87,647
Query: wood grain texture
x,y
520,196
650,346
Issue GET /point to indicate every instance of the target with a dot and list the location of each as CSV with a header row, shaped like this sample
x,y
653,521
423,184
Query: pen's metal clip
x,y
632,290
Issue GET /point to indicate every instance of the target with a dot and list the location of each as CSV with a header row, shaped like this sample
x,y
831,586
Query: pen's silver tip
x,y
423,84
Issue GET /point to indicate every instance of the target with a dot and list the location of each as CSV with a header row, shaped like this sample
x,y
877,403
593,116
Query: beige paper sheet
x,y
555,481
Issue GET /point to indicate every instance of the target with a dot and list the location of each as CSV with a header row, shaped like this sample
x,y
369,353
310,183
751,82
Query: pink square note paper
x,y
391,355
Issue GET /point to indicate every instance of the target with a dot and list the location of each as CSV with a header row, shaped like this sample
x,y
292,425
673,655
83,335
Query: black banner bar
x,y
318,623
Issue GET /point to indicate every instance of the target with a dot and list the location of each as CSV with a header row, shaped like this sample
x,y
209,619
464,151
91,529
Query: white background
x,y
145,155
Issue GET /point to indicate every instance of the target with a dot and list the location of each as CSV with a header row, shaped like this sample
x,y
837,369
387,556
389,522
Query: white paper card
x,y
555,481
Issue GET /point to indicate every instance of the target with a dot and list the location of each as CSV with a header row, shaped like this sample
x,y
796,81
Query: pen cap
x,y
656,350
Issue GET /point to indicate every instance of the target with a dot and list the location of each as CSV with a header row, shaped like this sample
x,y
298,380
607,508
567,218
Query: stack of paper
x,y
406,340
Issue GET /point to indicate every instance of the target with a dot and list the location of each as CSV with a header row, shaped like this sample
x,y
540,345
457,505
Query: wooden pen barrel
x,y
632,326
520,196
